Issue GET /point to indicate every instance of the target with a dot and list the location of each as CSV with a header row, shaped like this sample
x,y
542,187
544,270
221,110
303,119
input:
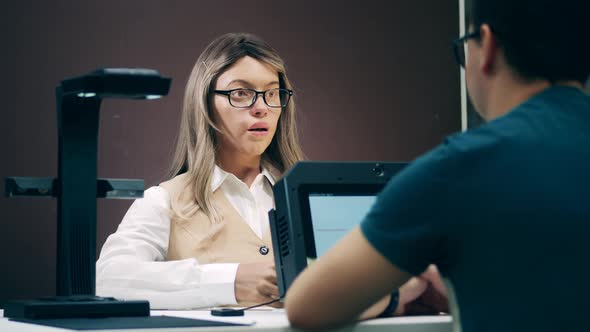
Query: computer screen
x,y
316,204
333,216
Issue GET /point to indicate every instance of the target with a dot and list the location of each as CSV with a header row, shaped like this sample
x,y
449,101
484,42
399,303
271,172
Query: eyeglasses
x,y
459,47
243,98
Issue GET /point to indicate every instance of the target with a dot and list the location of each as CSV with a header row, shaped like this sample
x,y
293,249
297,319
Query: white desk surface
x,y
264,320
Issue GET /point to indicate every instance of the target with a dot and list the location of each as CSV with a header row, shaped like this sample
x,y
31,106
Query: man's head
x,y
526,42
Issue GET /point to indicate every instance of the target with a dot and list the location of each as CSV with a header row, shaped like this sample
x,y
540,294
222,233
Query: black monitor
x,y
316,203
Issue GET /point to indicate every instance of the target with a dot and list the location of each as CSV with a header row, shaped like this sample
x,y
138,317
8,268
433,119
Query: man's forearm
x,y
376,309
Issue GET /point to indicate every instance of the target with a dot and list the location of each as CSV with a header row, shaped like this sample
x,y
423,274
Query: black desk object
x,y
75,307
76,189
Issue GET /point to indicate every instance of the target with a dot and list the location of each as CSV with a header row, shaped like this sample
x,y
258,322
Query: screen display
x,y
333,216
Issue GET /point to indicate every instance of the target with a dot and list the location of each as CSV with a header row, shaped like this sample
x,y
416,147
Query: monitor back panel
x,y
305,193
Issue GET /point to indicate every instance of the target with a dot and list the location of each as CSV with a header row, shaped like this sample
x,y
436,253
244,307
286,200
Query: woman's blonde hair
x,y
196,144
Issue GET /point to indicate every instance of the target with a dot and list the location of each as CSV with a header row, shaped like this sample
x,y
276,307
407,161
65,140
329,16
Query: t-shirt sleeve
x,y
407,224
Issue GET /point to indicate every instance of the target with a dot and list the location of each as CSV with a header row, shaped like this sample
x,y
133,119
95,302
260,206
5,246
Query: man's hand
x,y
423,295
257,283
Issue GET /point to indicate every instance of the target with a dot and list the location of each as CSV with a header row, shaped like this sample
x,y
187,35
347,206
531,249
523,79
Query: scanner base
x,y
78,306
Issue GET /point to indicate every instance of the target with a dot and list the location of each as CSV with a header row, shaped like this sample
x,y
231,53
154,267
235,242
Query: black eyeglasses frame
x,y
256,93
459,47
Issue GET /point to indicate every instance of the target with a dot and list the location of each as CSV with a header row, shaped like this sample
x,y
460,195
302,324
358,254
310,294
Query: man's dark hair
x,y
541,39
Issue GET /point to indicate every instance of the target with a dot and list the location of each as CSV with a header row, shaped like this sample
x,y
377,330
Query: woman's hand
x,y
257,283
423,295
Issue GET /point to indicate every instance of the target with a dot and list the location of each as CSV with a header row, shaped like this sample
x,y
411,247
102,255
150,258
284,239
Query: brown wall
x,y
375,80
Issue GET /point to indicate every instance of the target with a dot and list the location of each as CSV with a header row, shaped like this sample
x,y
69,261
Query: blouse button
x,y
263,250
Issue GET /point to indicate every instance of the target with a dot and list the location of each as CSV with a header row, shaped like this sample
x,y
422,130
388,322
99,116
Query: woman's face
x,y
248,131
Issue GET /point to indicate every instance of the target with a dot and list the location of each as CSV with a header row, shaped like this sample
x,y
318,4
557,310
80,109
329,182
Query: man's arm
x,y
342,284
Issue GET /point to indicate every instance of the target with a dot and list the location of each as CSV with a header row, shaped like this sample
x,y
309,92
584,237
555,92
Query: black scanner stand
x,y
76,189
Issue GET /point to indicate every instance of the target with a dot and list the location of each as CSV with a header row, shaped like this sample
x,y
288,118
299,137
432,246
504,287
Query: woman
x,y
201,239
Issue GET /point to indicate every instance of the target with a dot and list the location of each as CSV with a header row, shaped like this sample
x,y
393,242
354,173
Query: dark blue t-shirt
x,y
504,211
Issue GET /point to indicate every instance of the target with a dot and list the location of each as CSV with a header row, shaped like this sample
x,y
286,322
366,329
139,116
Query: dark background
x,y
374,80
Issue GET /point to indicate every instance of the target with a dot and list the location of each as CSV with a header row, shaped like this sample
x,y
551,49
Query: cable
x,y
237,312
259,305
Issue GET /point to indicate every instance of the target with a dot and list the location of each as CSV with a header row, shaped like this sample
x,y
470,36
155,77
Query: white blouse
x,y
132,261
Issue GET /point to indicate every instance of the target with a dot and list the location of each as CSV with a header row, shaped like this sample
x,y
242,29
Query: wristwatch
x,y
393,302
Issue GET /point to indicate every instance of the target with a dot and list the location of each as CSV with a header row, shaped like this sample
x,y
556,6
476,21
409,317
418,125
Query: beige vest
x,y
229,241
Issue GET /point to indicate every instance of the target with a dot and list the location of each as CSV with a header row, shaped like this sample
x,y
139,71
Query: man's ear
x,y
489,50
